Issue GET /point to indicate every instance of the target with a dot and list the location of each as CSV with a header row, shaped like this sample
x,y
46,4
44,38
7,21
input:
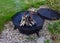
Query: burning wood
x,y
27,20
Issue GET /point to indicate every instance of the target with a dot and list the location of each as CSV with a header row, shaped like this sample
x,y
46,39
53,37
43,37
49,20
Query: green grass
x,y
54,28
54,4
31,38
46,41
9,7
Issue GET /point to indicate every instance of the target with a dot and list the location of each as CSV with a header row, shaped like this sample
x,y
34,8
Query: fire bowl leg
x,y
15,28
38,34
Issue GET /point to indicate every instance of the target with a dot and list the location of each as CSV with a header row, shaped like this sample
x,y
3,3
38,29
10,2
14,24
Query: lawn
x,y
9,7
54,29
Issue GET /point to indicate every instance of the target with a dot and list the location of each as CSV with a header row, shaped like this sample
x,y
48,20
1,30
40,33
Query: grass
x,y
9,7
46,41
54,29
54,4
31,38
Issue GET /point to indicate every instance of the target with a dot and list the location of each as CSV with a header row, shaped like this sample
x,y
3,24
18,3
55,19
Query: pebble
x,y
13,36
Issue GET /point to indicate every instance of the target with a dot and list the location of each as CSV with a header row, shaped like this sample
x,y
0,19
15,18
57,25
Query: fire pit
x,y
35,25
29,22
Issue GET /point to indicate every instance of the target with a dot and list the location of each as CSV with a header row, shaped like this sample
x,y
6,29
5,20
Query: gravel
x,y
9,35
